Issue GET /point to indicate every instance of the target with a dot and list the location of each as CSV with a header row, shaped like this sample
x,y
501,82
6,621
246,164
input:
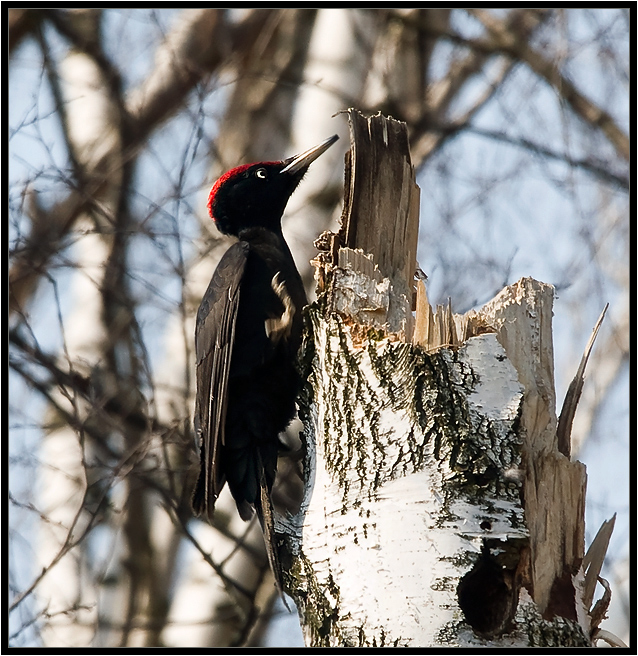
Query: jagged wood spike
x,y
599,611
593,559
566,419
451,327
422,315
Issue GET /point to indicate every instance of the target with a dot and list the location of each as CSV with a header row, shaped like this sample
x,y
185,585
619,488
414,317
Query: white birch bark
x,y
414,532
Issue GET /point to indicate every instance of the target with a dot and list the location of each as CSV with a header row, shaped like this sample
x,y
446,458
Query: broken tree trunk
x,y
438,508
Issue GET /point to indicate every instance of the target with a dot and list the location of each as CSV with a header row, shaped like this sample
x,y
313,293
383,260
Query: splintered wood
x,y
367,269
381,210
443,328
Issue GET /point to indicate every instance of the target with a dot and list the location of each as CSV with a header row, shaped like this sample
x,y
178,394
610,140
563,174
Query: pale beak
x,y
299,162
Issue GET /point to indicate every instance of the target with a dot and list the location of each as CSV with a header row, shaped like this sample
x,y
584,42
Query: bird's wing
x,y
214,338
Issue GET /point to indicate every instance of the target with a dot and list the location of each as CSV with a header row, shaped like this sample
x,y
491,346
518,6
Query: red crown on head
x,y
238,170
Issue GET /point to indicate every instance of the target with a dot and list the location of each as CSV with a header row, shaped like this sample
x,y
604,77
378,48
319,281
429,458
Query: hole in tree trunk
x,y
486,596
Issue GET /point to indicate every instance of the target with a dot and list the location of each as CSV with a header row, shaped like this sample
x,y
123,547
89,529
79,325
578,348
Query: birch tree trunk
x,y
93,139
438,508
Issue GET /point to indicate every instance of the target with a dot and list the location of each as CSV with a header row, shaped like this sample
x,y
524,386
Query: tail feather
x,y
265,514
245,510
202,502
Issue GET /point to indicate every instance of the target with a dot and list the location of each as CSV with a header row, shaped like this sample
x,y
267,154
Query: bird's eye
x,y
261,173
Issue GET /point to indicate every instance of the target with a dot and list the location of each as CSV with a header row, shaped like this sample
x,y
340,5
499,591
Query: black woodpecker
x,y
247,335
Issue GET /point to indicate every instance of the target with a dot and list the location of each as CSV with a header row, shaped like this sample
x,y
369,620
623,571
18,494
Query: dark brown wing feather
x,y
214,338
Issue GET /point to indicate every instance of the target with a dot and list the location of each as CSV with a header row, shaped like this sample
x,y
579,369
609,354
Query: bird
x,y
247,333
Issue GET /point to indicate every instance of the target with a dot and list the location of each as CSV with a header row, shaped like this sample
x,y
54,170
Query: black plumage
x,y
247,334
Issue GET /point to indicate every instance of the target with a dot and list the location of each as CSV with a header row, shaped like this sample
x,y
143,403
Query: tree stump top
x,y
372,260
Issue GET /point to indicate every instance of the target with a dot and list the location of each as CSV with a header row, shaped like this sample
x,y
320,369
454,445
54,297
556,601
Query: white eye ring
x,y
261,173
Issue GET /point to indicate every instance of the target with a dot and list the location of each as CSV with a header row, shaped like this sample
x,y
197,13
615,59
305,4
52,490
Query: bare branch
x,y
507,39
427,137
269,76
511,37
69,24
590,165
82,384
21,23
69,543
424,135
200,43
158,98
